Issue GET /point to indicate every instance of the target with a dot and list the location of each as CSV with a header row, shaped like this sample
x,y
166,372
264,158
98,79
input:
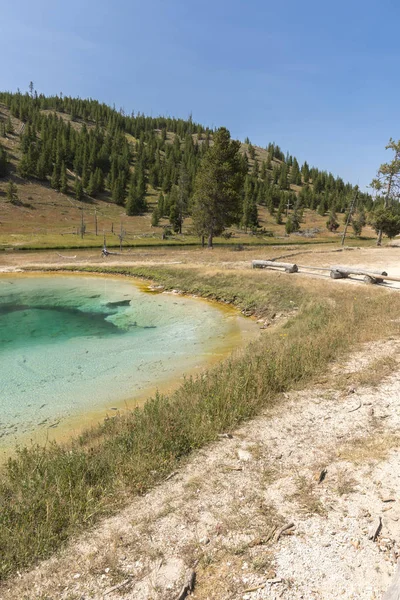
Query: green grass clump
x,y
48,494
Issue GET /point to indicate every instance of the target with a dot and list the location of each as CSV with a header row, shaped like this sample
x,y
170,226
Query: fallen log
x,y
262,264
373,277
338,275
356,271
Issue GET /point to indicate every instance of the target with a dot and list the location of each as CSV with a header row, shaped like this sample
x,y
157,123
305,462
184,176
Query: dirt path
x,y
221,513
323,255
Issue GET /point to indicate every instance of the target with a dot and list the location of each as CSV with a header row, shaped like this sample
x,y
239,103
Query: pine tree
x,y
289,228
56,177
295,176
118,190
78,190
161,204
388,182
322,207
63,180
41,167
182,200
332,222
133,203
283,177
218,187
278,217
386,221
3,162
155,217
175,219
91,187
256,168
9,126
250,213
263,171
12,193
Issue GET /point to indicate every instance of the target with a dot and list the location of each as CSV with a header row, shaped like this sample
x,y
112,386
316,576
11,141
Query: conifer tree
x,y
283,177
385,220
56,177
322,206
278,217
289,228
3,162
12,193
41,167
161,204
256,168
332,222
175,218
155,217
63,179
295,176
218,187
182,199
118,190
78,190
263,170
9,126
387,182
91,187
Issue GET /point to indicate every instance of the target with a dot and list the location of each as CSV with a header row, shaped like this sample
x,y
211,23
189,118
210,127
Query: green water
x,y
71,345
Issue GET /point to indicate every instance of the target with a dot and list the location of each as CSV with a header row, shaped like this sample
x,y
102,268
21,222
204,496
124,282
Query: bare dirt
x,y
325,461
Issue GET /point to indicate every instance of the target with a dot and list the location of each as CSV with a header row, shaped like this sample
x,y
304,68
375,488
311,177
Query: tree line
x,y
84,147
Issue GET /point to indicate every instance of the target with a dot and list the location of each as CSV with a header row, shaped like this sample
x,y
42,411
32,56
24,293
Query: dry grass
x,y
370,448
377,371
345,483
306,496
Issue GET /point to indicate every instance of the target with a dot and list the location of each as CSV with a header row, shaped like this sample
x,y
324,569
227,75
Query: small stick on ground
x,y
356,408
282,530
261,585
322,475
117,587
375,530
188,587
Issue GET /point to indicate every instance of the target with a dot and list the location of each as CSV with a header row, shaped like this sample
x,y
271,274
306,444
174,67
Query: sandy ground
x,y
322,255
325,461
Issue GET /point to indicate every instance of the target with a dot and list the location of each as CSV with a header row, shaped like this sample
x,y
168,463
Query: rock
x,y
244,455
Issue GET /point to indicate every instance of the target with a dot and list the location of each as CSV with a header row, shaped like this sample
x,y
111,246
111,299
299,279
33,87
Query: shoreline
x,y
66,429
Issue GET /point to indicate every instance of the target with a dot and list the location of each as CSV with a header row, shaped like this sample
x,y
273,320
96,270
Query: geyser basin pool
x,y
74,345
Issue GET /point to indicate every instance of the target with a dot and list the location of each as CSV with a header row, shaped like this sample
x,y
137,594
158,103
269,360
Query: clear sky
x,y
320,78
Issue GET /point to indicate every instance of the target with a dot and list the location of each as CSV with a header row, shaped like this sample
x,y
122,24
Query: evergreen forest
x,y
88,150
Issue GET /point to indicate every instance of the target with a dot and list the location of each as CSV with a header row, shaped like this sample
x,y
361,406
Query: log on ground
x,y
262,264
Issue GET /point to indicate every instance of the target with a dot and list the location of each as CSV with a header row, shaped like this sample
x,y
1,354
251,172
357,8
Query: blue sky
x,y
318,78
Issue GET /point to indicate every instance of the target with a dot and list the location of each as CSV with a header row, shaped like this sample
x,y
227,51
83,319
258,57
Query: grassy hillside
x,y
45,217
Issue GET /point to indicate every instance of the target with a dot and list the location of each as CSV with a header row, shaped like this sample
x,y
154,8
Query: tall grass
x,y
48,494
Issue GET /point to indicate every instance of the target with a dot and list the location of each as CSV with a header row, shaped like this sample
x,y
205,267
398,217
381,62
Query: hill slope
x,y
80,166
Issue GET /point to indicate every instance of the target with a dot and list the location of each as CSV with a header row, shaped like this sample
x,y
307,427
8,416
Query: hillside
x,y
82,168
